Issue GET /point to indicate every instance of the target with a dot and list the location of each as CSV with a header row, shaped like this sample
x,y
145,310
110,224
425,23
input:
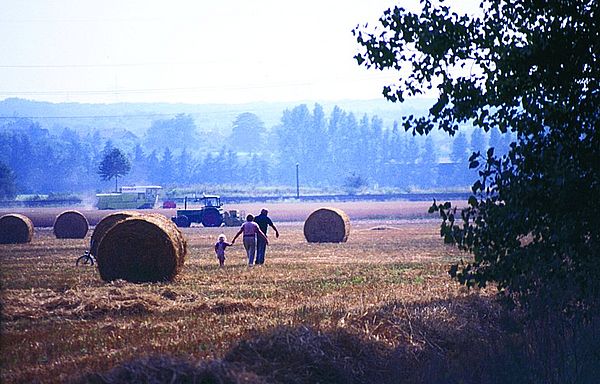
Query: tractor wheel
x,y
182,221
212,218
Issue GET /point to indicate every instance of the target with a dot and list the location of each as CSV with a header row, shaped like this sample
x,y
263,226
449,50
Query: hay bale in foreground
x,y
145,248
71,225
327,225
15,229
105,224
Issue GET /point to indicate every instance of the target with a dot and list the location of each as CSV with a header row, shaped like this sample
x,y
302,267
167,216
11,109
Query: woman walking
x,y
250,230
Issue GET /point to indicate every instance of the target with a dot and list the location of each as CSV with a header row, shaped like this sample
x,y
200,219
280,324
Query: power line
x,y
147,115
143,64
144,90
188,89
91,116
224,110
86,65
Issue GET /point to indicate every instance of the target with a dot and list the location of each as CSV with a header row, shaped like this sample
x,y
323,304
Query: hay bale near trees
x,y
327,225
15,229
71,225
105,224
141,248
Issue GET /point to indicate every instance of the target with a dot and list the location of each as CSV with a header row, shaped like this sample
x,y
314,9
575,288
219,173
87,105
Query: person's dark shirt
x,y
263,222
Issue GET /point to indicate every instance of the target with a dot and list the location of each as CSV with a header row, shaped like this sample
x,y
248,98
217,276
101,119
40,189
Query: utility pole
x,y
297,182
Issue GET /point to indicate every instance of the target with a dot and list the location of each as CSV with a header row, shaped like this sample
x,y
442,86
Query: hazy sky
x,y
199,51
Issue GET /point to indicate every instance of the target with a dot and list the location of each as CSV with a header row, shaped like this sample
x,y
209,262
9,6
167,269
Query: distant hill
x,y
137,117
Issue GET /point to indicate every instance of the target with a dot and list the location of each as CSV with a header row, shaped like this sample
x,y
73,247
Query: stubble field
x,y
313,312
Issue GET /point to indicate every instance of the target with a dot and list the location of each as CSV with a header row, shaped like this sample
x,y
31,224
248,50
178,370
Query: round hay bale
x,y
15,229
142,248
104,225
327,225
70,225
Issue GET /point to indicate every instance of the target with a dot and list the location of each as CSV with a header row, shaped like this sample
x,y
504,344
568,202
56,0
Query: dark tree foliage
x,y
113,165
530,67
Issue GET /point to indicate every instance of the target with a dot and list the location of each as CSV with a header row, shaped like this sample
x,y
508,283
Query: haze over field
x,y
191,91
188,51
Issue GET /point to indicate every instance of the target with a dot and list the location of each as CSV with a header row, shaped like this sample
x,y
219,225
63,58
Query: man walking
x,y
264,222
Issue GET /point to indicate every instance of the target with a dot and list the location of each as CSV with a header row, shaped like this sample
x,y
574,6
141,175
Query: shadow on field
x,y
469,340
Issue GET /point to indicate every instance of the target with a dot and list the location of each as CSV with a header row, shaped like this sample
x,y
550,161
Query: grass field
x,y
377,308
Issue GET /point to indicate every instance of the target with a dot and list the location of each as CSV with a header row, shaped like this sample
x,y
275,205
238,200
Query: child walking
x,y
220,246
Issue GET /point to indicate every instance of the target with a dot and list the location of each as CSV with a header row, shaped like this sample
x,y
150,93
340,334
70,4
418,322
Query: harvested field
x,y
371,310
58,309
278,211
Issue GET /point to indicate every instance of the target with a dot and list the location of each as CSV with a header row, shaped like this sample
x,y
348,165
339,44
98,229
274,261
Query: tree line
x,y
339,150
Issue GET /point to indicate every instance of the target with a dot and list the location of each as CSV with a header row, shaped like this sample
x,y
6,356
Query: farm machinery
x,y
209,214
135,197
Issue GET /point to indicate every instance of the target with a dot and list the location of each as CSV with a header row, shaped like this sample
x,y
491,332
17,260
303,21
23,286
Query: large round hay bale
x,y
327,225
71,225
144,248
105,224
15,229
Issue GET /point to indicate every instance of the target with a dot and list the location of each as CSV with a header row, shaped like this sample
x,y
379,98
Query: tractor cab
x,y
211,201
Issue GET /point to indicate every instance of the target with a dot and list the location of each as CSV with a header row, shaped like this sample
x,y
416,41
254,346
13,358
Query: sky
x,y
176,51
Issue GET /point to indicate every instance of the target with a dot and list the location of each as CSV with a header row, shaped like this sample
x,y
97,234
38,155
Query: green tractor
x,y
210,213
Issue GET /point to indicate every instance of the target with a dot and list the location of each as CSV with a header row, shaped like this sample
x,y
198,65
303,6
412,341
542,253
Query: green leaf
x,y
472,201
